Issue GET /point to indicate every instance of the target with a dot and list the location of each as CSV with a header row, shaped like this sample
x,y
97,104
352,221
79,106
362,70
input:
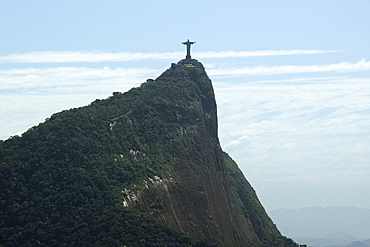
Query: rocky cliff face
x,y
143,167
198,199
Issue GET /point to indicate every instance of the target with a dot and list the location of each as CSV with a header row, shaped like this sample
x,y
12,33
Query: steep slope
x,y
140,168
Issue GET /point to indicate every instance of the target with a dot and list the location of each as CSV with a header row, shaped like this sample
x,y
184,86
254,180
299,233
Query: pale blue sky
x,y
291,79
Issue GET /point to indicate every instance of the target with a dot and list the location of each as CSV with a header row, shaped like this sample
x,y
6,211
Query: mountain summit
x,y
141,168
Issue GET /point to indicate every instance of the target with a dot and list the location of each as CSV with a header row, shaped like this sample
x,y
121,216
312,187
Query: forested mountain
x,y
141,168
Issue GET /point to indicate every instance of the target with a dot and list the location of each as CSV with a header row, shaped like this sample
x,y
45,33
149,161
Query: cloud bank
x,y
44,77
95,57
68,79
342,67
314,128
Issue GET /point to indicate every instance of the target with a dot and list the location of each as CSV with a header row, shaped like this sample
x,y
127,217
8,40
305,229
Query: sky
x,y
291,79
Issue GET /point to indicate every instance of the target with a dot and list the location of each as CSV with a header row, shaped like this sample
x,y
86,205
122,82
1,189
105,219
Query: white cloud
x,y
71,78
94,57
80,56
311,129
263,53
343,67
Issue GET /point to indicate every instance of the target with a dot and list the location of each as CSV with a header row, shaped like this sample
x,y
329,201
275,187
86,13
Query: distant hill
x,y
318,226
141,168
364,243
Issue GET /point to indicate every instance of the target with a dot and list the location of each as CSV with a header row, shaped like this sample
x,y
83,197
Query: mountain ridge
x,y
141,167
333,225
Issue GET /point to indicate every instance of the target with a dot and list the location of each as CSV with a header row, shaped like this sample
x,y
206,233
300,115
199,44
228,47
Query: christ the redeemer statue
x,y
188,44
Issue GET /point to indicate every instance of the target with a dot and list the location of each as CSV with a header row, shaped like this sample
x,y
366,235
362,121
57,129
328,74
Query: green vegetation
x,y
61,181
66,181
247,203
